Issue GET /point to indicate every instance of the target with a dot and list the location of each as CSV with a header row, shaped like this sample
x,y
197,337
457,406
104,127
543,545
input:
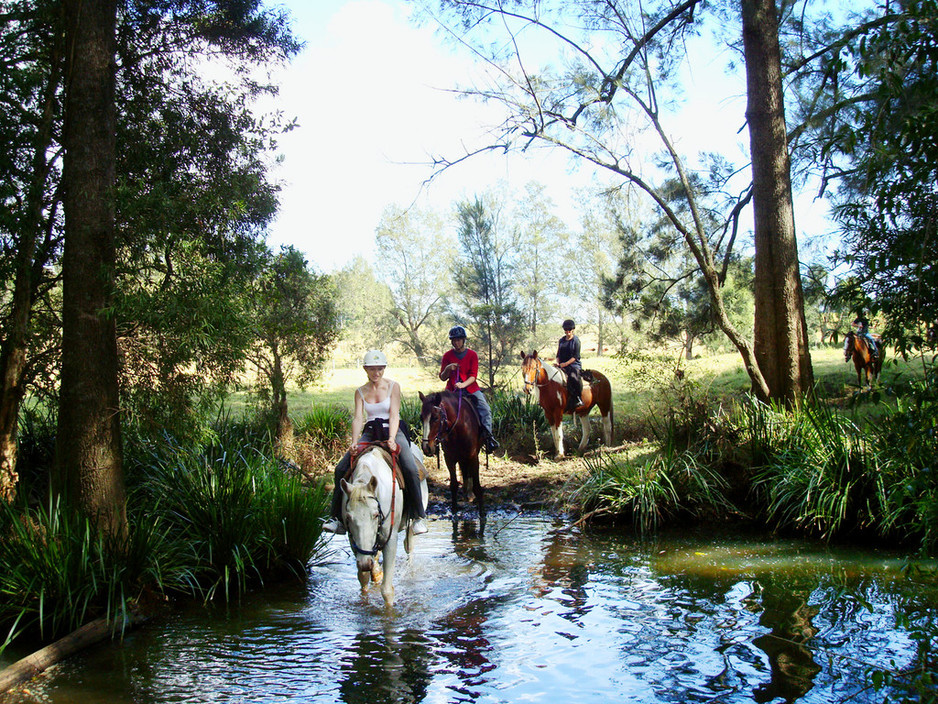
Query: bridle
x,y
378,543
445,427
540,368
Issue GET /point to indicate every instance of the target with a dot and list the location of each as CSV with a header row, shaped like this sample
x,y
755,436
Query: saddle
x,y
389,457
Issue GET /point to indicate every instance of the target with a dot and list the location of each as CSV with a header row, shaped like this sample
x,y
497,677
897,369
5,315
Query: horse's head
x,y
531,370
363,514
430,418
849,342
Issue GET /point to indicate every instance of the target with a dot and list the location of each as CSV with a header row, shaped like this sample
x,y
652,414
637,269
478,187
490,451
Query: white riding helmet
x,y
374,358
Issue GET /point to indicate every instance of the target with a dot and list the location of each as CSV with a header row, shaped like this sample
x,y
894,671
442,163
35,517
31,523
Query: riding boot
x,y
491,444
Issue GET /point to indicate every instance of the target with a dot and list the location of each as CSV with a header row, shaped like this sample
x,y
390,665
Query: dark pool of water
x,y
532,613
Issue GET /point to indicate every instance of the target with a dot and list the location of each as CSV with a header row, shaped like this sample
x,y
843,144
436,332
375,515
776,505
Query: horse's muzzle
x,y
426,449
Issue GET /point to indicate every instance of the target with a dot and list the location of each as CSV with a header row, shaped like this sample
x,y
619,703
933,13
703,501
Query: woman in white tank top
x,y
377,416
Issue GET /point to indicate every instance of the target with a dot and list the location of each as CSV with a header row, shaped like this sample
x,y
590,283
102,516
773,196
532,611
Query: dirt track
x,y
519,481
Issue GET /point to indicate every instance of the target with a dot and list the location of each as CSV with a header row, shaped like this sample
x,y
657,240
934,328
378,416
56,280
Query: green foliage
x,y
240,514
824,476
59,572
328,423
911,435
484,273
517,420
888,204
207,520
296,321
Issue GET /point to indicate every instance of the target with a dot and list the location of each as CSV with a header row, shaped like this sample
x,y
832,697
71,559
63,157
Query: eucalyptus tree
x,y
616,60
880,147
88,464
296,323
166,190
414,255
484,273
545,263
365,308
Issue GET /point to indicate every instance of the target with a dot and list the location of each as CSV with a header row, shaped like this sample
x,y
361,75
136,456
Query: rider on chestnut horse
x,y
863,330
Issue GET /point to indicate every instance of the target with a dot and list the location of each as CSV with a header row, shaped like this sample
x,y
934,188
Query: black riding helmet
x,y
456,332
569,324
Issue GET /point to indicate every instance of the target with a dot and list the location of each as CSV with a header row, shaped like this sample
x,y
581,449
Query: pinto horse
x,y
372,511
858,349
549,386
449,420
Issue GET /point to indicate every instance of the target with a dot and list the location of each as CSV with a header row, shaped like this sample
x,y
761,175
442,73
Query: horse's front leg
x,y
556,432
585,425
390,556
453,487
477,485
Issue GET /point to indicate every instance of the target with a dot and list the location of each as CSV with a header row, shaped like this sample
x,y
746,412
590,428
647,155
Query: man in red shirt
x,y
460,369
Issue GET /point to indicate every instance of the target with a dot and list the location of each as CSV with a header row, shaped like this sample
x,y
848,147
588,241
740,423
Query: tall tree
x,y
30,229
483,274
781,334
190,171
364,308
587,106
543,264
414,252
296,320
88,442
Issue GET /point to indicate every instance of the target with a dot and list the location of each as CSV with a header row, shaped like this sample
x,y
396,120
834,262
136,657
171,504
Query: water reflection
x,y
530,611
788,617
386,666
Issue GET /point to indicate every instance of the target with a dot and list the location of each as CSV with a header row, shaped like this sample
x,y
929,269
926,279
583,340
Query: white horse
x,y
372,511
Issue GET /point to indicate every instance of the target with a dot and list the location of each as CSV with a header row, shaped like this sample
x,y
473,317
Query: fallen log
x,y
30,666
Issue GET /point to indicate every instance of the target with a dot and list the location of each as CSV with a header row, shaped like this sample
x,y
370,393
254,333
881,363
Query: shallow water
x,y
532,613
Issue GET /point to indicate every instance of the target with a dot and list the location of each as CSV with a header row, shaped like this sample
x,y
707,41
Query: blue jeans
x,y
485,413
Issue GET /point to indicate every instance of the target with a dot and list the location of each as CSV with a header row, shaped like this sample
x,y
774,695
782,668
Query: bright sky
x,y
370,95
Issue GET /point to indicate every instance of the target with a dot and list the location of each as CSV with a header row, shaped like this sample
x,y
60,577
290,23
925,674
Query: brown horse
x,y
549,386
858,349
449,420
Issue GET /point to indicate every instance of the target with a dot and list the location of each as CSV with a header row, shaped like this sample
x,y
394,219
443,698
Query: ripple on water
x,y
528,613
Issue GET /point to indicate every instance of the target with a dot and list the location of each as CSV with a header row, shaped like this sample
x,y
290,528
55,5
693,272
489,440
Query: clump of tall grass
x,y
241,515
821,475
60,572
517,420
649,490
910,432
325,424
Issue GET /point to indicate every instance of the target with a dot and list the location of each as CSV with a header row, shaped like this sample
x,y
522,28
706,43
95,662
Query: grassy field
x,y
640,384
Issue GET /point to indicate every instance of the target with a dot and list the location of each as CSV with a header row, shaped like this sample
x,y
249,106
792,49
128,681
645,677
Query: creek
x,y
533,612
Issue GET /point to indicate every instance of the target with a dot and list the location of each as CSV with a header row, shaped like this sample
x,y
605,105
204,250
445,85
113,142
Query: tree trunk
x,y
279,388
88,450
781,337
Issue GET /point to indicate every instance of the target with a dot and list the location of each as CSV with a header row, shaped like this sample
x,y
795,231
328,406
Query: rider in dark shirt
x,y
863,330
568,359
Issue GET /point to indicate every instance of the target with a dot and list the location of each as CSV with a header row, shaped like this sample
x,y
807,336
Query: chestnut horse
x,y
858,349
450,420
549,386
